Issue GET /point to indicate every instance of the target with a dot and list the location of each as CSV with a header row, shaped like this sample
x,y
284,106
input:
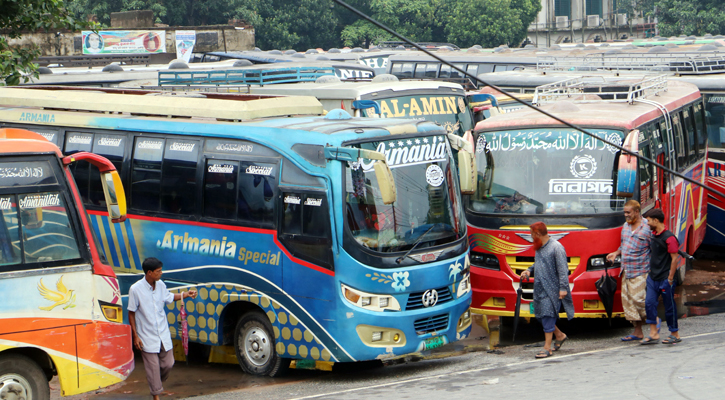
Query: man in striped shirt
x,y
635,253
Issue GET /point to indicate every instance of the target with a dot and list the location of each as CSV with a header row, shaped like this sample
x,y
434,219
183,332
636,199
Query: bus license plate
x,y
531,308
433,343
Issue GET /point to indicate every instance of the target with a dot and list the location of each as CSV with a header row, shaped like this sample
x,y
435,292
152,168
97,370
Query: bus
x,y
312,238
60,305
712,88
531,168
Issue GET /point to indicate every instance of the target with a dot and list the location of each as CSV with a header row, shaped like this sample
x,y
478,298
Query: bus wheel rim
x,y
257,346
15,387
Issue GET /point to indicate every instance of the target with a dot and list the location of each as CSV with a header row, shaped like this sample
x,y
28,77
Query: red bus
x,y
531,168
60,303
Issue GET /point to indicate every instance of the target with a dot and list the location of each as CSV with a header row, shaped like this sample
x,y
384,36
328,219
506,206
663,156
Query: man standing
x,y
551,286
660,282
147,315
635,254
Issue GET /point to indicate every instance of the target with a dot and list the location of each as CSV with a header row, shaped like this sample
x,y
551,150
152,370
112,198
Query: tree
x,y
690,17
414,19
18,16
490,23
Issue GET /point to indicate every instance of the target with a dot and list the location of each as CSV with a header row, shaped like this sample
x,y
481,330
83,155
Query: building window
x,y
562,8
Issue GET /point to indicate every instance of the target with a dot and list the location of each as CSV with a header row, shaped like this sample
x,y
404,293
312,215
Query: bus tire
x,y
21,377
255,346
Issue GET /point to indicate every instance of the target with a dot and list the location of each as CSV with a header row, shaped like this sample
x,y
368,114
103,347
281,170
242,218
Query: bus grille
x,y
431,324
415,300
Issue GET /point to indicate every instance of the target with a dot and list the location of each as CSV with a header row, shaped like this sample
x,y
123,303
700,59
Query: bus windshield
x,y
448,110
546,171
427,209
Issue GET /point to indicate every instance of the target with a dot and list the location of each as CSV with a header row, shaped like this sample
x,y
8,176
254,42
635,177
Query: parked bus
x,y
712,88
290,227
60,305
531,168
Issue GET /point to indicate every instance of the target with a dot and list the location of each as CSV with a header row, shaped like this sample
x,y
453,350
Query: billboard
x,y
124,42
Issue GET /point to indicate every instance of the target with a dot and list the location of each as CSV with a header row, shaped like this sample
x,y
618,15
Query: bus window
x,y
211,58
645,177
74,143
146,174
431,70
292,175
690,131
178,186
715,114
220,189
484,68
396,69
46,229
699,115
407,70
257,190
680,150
455,74
305,227
112,147
445,72
9,232
420,70
472,69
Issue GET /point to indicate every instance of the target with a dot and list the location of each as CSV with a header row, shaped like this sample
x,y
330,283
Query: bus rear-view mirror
x,y
114,195
467,172
627,169
383,174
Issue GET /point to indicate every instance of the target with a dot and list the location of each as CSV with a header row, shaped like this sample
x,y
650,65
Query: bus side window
x,y
420,70
74,143
220,189
305,229
9,233
112,147
680,150
645,176
689,129
472,69
431,70
178,186
396,69
484,68
699,115
455,74
146,174
407,70
257,192
445,72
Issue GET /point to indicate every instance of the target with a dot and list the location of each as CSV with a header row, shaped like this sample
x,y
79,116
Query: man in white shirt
x,y
147,316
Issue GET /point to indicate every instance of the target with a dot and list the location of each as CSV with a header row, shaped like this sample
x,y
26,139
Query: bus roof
x,y
353,90
171,106
597,113
21,141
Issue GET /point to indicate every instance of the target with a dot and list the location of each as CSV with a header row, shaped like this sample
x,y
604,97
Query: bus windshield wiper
x,y
417,242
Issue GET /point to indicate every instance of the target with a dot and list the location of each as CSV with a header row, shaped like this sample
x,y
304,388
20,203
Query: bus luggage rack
x,y
431,324
415,300
606,89
679,63
243,77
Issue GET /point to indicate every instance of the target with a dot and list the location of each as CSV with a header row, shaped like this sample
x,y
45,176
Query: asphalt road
x,y
586,367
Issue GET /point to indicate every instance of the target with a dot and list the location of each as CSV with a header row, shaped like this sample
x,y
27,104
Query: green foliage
x,y
490,23
23,15
414,19
690,17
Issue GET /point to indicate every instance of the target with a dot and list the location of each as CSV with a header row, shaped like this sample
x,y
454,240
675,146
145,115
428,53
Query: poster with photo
x,y
185,41
124,42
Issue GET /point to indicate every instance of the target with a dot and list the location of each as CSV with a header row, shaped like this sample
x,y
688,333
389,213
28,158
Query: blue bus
x,y
309,237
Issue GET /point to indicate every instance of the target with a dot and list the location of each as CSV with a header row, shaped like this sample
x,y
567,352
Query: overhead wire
x,y
531,106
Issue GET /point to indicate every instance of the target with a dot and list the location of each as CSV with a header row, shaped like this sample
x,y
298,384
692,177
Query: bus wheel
x,y
255,346
21,378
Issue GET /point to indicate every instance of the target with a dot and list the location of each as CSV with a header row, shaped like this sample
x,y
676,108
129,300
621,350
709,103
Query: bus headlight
x,y
598,262
370,301
464,286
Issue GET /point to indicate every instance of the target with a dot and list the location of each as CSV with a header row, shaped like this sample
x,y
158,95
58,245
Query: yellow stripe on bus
x,y
104,239
124,232
118,248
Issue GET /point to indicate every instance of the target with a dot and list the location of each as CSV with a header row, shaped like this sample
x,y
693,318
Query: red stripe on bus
x,y
231,228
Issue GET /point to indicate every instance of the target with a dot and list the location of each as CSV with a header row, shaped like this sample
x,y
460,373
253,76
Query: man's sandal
x,y
544,354
558,343
671,340
649,340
